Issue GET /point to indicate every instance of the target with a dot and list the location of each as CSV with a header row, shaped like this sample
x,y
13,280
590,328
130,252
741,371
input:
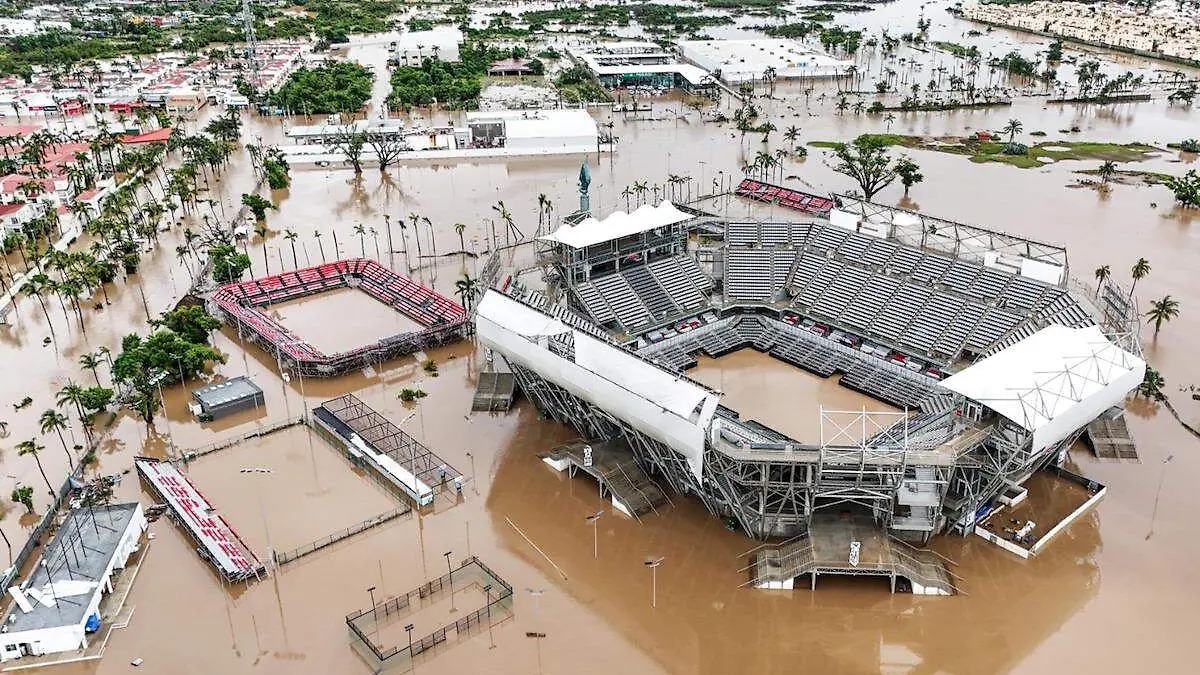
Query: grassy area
x,y
1131,177
1040,154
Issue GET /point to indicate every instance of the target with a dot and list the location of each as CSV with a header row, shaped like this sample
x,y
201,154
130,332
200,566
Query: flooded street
x,y
1111,594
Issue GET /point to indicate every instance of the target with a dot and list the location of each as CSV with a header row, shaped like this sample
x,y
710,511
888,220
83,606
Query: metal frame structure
x,y
916,475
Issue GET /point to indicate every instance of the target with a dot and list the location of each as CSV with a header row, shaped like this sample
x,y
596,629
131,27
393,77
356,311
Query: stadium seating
x,y
637,295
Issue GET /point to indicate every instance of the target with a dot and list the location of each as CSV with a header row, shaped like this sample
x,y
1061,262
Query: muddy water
x,y
798,399
1105,596
341,320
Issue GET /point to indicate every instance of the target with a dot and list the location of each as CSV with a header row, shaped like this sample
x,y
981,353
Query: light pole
x,y
450,575
594,519
374,612
487,593
412,659
471,458
653,564
537,638
1161,476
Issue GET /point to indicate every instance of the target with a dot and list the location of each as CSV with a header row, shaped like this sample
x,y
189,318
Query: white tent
x,y
618,224
1052,382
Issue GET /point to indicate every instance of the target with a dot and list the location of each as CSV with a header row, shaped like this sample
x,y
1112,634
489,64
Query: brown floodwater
x,y
794,399
1110,594
341,320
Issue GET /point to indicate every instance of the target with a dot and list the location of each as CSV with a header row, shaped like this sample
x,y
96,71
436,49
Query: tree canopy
x,y
866,161
342,86
190,322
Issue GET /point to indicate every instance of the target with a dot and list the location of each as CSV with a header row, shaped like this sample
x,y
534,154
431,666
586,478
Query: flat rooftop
x,y
221,393
79,554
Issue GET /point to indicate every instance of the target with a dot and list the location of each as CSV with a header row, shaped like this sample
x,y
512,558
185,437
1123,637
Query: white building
x,y
546,130
59,604
411,48
16,27
748,60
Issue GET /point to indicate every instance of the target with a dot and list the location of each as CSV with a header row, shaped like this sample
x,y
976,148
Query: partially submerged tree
x,y
909,173
867,162
228,263
1185,187
1162,311
350,143
258,206
387,148
190,322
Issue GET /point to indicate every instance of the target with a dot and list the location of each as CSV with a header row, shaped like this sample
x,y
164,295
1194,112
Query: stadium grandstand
x,y
241,304
996,359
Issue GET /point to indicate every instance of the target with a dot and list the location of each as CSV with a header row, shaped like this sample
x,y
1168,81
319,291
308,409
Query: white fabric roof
x,y
618,224
676,394
691,73
1058,373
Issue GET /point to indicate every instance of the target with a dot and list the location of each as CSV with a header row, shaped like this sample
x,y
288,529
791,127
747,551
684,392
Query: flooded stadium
x,y
1110,594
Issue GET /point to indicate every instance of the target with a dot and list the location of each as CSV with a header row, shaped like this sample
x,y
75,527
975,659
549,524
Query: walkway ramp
x,y
1110,439
495,388
615,470
849,546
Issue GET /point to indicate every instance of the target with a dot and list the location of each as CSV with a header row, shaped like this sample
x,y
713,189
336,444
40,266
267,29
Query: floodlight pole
x,y
653,564
1161,476
594,519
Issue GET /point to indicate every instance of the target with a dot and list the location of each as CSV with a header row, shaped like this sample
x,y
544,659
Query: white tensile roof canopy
x,y
618,224
1053,381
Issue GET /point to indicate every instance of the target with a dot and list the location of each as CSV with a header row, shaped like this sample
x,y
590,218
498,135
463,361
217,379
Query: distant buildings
x,y
739,61
638,64
1167,30
413,47
15,27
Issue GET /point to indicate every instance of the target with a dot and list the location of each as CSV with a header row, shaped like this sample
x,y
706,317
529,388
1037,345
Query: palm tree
x,y
260,229
1162,311
31,448
1106,171
1013,128
52,420
627,193
92,362
416,220
38,285
375,238
317,234
1102,273
362,239
889,119
1140,269
640,188
291,238
459,228
464,288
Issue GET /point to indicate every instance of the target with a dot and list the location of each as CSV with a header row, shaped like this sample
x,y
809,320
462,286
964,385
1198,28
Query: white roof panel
x,y
618,224
1049,375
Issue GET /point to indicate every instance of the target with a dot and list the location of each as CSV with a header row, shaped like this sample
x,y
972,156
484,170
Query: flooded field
x,y
1103,597
283,491
341,320
780,395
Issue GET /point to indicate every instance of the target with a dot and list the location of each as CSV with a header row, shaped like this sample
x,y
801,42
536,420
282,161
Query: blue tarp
x,y
93,623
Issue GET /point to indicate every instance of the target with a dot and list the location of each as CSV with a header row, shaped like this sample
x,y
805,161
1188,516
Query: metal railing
x,y
331,539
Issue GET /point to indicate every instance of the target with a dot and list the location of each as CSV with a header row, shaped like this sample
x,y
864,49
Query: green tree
x,y
1152,385
337,87
23,495
1102,275
258,206
867,162
909,173
190,322
1013,128
1106,171
1185,187
465,289
92,362
228,263
31,448
1140,269
1162,311
52,420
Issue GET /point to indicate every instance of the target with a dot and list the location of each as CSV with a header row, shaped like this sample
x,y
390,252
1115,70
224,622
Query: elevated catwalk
x,y
495,388
850,546
612,465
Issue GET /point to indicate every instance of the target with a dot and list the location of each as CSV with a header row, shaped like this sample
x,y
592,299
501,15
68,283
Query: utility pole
x,y
387,219
1157,491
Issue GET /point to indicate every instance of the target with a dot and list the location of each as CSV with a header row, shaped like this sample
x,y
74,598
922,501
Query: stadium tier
x,y
443,320
995,364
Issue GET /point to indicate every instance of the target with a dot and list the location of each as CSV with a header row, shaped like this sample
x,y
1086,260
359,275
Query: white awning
x,y
1052,382
618,224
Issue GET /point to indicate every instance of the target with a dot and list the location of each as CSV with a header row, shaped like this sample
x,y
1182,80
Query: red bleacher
x,y
786,197
242,301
